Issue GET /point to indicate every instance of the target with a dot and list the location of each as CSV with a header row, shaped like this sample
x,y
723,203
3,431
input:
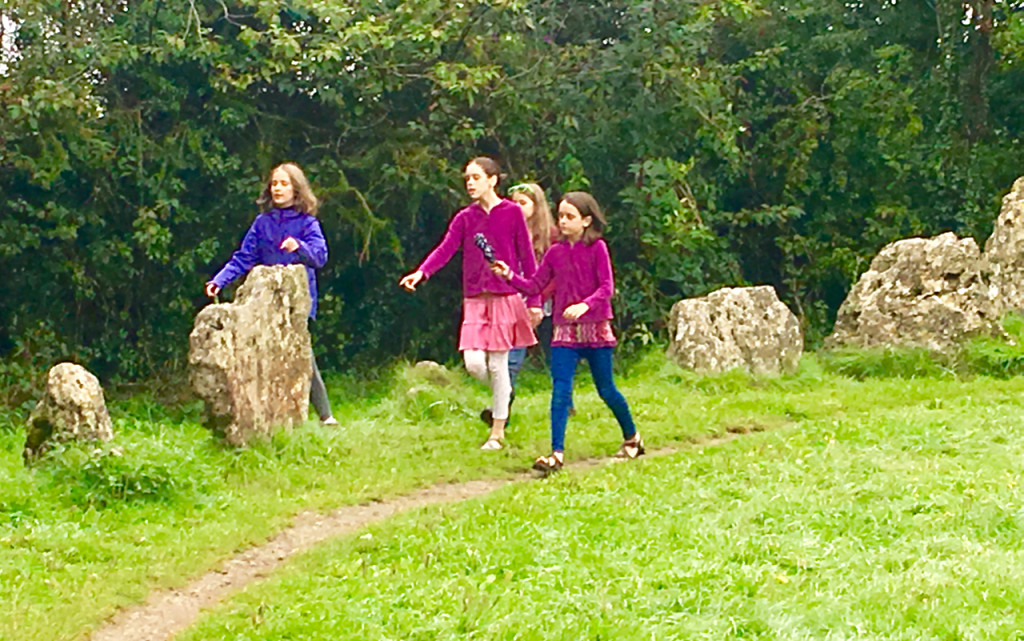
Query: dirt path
x,y
167,612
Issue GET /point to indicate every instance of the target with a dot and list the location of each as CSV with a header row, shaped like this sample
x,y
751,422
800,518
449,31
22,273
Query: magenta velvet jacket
x,y
581,273
505,228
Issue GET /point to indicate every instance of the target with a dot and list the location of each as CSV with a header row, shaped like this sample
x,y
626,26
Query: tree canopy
x,y
731,141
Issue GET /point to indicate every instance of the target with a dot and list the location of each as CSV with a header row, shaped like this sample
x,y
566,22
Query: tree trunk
x,y
980,39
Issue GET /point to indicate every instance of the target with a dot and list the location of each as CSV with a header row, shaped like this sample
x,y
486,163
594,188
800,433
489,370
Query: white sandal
x,y
492,445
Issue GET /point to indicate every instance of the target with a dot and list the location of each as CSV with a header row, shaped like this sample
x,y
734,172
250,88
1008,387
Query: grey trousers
x,y
318,394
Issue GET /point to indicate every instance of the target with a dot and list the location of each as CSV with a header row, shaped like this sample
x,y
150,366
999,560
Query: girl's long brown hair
x,y
305,200
541,223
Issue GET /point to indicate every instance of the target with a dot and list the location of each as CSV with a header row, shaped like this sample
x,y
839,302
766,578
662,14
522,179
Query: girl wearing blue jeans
x,y
581,270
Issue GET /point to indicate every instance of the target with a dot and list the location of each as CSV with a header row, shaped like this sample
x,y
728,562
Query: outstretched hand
x,y
212,289
500,268
410,281
573,312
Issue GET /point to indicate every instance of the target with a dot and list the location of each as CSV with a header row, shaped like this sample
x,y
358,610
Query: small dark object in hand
x,y
481,241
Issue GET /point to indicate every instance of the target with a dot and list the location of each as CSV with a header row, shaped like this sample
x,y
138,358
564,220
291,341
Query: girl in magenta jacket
x,y
581,270
495,319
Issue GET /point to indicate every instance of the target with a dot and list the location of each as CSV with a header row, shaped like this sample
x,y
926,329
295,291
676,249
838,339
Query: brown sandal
x,y
548,464
631,449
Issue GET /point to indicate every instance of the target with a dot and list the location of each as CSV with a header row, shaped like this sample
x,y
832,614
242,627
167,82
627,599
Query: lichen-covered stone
x,y
923,292
746,327
251,360
1004,252
73,409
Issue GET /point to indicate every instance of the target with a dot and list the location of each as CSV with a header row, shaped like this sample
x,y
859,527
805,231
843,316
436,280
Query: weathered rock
x,y
924,292
1004,252
73,409
432,372
745,327
429,383
251,360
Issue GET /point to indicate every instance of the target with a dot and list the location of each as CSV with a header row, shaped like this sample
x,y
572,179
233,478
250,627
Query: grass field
x,y
873,508
901,523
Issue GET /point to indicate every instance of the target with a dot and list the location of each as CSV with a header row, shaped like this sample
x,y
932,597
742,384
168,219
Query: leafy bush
x,y
19,384
729,142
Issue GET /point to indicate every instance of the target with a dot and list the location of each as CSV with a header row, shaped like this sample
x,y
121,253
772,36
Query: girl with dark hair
x,y
286,233
495,319
581,270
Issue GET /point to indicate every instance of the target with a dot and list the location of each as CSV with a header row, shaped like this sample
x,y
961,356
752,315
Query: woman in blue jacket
x,y
286,233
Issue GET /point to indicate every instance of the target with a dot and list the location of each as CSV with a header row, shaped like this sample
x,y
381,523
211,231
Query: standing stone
x,y
72,409
1004,251
251,360
923,292
745,327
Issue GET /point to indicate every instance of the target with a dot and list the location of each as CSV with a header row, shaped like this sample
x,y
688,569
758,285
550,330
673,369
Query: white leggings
x,y
492,368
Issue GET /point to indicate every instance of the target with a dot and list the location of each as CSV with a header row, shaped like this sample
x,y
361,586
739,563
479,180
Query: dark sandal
x,y
487,414
548,464
631,449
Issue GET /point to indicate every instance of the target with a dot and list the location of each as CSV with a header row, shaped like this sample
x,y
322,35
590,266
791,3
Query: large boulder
x,y
746,327
73,409
251,360
1004,251
924,292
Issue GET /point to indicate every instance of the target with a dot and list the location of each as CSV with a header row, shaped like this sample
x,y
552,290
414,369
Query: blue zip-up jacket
x,y
262,246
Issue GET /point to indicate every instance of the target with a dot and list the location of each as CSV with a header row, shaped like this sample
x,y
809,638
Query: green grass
x,y
91,530
904,522
996,356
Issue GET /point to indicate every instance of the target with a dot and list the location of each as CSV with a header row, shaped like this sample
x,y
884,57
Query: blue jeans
x,y
516,358
563,369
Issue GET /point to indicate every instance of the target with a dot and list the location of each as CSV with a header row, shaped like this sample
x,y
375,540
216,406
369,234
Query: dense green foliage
x,y
732,141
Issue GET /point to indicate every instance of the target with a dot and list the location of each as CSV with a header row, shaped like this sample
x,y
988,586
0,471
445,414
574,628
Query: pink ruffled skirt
x,y
495,323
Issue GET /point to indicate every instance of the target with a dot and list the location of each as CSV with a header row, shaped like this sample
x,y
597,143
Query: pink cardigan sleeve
x,y
534,285
601,262
445,249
